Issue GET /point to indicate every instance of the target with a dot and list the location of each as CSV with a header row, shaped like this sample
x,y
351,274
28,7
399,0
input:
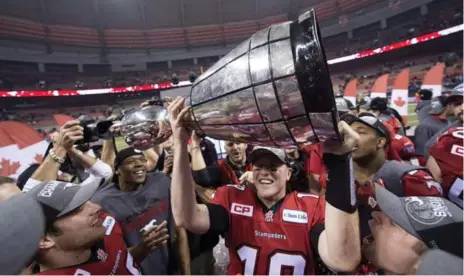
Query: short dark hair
x,y
52,229
6,179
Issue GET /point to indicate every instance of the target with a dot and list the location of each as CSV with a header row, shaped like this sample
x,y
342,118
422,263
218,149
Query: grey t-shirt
x,y
135,209
427,128
423,109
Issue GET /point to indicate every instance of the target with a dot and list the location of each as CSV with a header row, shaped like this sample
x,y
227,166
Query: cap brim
x,y
393,207
258,153
85,193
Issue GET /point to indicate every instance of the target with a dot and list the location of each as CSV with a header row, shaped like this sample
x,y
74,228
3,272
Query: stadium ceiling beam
x,y
142,13
221,20
182,21
144,22
337,7
46,29
258,13
99,18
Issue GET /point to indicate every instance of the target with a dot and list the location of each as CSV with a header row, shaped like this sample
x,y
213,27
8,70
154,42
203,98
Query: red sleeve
x,y
420,183
395,123
407,150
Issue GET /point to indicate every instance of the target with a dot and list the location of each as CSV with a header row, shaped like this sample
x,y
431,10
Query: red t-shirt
x,y
109,256
278,244
448,151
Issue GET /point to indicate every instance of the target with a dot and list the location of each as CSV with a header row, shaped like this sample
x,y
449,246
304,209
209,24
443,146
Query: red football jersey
x,y
448,151
109,257
401,147
266,243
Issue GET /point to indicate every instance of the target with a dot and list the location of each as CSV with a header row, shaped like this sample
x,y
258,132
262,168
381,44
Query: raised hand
x,y
70,133
177,112
350,139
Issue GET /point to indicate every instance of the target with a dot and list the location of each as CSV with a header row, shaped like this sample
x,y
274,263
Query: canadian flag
x,y
379,89
20,147
434,78
399,97
350,91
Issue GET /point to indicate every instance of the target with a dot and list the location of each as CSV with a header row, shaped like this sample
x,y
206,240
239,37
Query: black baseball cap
x,y
371,121
124,154
259,152
425,94
60,198
377,104
435,220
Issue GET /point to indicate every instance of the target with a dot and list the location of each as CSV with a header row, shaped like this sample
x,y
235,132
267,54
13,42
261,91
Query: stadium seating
x,y
205,35
21,29
76,36
166,38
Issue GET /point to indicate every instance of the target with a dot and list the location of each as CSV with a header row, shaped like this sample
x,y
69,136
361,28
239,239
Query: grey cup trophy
x,y
273,89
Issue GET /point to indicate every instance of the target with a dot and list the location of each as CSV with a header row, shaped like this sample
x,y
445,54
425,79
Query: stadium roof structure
x,y
151,14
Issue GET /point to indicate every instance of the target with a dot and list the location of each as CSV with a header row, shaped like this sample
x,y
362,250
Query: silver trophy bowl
x,y
145,127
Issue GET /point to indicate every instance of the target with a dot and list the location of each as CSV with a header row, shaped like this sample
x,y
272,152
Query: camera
x,y
94,130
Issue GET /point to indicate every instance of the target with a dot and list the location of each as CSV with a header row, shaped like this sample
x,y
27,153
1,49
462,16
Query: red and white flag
x,y
379,89
61,119
350,91
433,80
20,147
399,97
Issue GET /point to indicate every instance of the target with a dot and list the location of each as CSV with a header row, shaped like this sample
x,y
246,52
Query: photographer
x,y
63,148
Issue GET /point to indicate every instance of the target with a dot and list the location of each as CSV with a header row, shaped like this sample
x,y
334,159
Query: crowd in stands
x,y
20,75
400,27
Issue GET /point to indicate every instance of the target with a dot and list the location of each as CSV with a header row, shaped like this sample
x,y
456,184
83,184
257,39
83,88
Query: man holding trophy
x,y
267,230
279,74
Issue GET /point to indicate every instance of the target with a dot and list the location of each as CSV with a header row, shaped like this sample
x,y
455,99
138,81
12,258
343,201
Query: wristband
x,y
341,191
55,157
